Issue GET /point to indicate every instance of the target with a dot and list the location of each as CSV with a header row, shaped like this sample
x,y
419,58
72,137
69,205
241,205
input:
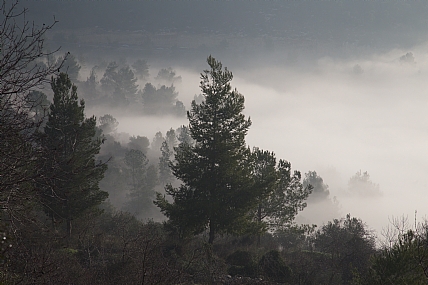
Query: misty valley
x,y
213,142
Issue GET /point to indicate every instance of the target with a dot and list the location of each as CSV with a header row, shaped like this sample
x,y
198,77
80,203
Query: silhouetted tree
x,y
157,142
168,76
108,124
216,192
71,146
165,174
320,190
141,68
184,135
161,101
120,84
140,143
143,182
265,177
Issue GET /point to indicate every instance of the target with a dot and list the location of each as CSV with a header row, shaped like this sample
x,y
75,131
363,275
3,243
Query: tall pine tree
x,y
70,167
216,191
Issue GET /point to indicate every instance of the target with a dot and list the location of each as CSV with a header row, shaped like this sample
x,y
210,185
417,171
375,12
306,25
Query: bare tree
x,y
23,68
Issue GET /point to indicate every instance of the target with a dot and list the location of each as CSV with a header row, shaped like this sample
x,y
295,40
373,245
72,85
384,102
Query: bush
x,y
242,263
273,267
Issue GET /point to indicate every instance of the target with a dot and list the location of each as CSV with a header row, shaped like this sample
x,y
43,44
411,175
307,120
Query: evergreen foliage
x,y
168,76
184,135
120,84
108,124
274,267
165,175
140,143
141,68
144,178
286,199
161,101
216,192
320,190
71,146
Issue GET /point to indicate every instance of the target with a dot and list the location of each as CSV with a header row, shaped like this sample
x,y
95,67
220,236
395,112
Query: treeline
x,y
118,88
230,209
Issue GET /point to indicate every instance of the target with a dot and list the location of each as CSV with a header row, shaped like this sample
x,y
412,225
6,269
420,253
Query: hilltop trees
x,y
70,145
216,190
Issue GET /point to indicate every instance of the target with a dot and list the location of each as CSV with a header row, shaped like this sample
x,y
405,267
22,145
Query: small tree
x,y
71,146
320,190
108,124
265,177
161,101
121,84
361,185
216,192
184,135
140,143
165,174
141,68
168,76
348,246
143,181
283,198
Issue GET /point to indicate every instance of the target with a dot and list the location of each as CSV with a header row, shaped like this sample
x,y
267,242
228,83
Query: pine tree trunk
x,y
259,220
68,228
212,234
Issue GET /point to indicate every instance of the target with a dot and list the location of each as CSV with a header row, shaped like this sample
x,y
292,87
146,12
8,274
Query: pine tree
x,y
287,198
281,193
143,181
165,174
71,145
216,192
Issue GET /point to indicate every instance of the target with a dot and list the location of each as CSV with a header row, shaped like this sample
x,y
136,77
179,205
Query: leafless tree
x,y
23,68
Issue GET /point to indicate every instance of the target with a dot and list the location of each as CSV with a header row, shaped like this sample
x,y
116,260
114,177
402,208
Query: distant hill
x,y
392,22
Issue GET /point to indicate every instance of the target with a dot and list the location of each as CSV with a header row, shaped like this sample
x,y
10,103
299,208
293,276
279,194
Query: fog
x,y
331,99
336,120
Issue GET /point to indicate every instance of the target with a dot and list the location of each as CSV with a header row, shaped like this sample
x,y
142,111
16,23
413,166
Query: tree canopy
x,y
216,192
71,146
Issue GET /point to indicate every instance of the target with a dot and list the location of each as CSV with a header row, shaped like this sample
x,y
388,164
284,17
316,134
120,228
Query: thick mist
x,y
336,117
333,88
